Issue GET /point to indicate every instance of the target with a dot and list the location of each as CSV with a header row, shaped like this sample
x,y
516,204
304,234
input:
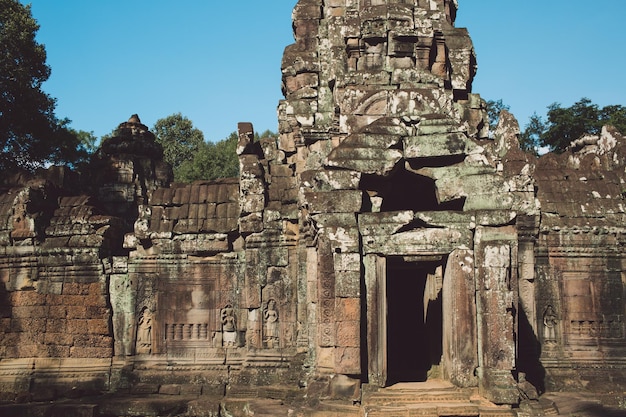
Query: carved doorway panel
x,y
375,276
405,320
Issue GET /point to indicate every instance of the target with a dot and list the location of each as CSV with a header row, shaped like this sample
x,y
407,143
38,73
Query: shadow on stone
x,y
529,353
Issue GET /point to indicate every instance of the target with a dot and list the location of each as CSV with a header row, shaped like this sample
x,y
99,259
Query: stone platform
x,y
427,399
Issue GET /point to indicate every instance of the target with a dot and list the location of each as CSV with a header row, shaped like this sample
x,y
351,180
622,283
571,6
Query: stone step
x,y
146,406
439,410
254,407
433,398
50,410
334,409
416,397
424,410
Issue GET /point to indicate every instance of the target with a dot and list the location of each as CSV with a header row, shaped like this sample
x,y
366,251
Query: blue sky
x,y
218,62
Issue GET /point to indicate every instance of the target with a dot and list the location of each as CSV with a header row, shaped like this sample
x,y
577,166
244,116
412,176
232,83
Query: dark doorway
x,y
414,321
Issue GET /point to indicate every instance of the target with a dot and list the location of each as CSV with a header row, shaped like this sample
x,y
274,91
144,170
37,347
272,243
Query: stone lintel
x,y
418,241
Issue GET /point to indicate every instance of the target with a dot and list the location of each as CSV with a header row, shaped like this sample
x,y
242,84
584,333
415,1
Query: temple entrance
x,y
421,318
414,320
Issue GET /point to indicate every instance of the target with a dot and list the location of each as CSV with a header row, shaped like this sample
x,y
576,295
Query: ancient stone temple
x,y
384,237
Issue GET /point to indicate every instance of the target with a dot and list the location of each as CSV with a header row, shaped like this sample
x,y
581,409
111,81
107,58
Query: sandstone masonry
x,y
384,236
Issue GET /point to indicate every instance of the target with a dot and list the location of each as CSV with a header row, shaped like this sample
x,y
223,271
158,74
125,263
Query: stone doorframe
x,y
460,346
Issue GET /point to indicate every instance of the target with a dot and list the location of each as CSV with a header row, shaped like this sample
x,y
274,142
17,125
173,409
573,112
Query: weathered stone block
x,y
348,309
98,326
75,312
326,357
26,298
20,312
348,333
347,261
170,389
252,203
347,360
428,146
347,283
283,189
143,388
335,201
89,352
343,387
252,223
307,10
419,241
66,339
331,180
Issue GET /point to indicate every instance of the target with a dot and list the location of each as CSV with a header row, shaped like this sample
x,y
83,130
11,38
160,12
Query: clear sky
x,y
218,62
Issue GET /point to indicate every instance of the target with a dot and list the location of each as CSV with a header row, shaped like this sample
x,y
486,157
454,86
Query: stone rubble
x,y
384,236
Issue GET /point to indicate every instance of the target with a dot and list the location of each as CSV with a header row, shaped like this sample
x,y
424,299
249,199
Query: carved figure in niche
x,y
549,326
615,329
270,319
229,326
144,332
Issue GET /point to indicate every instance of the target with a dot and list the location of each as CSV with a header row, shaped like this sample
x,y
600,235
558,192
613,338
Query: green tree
x,y
212,161
215,160
31,136
87,146
181,141
494,107
566,124
530,137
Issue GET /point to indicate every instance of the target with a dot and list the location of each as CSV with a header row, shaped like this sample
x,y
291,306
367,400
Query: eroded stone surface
x,y
384,236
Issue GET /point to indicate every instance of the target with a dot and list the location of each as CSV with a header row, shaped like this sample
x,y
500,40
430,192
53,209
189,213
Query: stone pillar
x,y
497,304
527,282
375,276
123,293
460,357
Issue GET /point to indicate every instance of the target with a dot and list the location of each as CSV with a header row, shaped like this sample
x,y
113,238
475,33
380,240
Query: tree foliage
x,y
530,136
191,157
563,125
215,160
31,136
212,161
181,141
494,107
566,124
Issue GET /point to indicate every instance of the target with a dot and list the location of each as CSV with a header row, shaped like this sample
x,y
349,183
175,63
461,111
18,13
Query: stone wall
x,y
55,314
384,212
579,288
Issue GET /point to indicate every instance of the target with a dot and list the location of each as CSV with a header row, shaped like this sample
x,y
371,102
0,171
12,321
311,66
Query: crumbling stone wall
x,y
379,121
383,172
55,309
579,289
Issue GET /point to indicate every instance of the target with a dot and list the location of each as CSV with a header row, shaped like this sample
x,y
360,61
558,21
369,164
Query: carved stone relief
x,y
228,319
550,323
144,332
271,334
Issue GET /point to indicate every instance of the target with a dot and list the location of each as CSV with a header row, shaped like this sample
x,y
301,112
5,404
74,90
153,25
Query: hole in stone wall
x,y
404,190
436,161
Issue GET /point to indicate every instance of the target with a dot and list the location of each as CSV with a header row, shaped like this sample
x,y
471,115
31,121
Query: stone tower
x,y
402,192
386,235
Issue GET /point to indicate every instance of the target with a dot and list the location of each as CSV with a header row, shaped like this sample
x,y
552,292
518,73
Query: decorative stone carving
x,y
230,335
271,334
144,332
550,323
383,168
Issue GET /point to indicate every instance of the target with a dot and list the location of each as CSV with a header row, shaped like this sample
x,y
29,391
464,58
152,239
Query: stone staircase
x,y
429,399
